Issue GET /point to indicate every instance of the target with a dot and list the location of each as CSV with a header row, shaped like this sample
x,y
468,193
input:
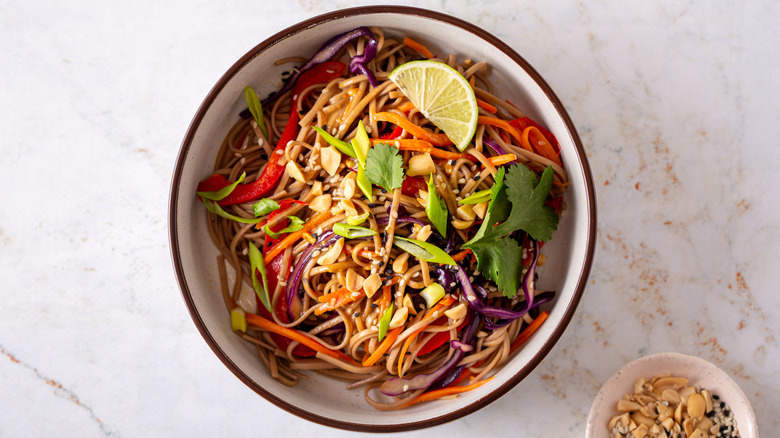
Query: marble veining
x,y
676,104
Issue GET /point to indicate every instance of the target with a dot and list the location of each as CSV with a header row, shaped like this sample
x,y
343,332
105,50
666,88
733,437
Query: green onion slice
x,y
223,192
256,263
432,294
238,320
296,224
423,250
363,183
341,145
476,197
357,220
361,143
264,206
352,231
256,108
436,209
384,322
215,208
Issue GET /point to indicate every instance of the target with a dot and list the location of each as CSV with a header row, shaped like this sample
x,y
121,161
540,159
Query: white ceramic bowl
x,y
698,371
318,398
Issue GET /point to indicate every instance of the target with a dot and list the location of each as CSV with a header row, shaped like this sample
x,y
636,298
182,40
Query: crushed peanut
x,y
667,406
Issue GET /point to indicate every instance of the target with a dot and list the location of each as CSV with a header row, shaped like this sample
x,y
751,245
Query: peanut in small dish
x,y
666,406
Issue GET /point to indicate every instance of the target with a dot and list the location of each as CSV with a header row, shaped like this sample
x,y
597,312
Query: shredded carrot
x,y
406,107
259,321
415,130
383,347
417,145
528,331
503,124
540,143
461,255
414,45
486,106
337,299
502,159
294,236
450,390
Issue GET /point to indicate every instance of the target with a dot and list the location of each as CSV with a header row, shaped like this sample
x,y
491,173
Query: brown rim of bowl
x,y
585,169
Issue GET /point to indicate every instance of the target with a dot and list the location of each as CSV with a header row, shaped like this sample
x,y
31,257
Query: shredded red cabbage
x,y
329,50
294,281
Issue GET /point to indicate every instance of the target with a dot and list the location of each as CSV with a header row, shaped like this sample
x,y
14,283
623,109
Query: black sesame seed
x,y
476,177
374,305
722,405
356,314
715,397
382,189
451,162
726,412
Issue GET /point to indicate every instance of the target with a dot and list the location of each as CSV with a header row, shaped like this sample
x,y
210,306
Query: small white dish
x,y
698,371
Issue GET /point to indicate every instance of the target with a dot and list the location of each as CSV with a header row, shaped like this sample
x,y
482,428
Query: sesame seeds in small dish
x,y
671,395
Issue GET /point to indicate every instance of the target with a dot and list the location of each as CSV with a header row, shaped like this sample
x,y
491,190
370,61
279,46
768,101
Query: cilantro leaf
x,y
516,203
501,261
384,167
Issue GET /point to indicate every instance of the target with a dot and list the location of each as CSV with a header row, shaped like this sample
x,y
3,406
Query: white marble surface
x,y
675,101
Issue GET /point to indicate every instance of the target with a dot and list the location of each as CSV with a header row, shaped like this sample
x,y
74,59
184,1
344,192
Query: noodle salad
x,y
379,220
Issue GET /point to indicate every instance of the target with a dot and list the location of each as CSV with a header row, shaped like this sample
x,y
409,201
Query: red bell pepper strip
x,y
440,338
392,135
319,74
412,185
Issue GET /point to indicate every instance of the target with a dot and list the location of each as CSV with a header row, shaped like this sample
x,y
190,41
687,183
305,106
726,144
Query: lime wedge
x,y
443,96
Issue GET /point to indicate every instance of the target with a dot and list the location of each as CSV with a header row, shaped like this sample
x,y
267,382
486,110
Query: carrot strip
x,y
406,107
417,145
337,299
502,159
540,143
264,324
415,130
383,347
450,390
486,106
461,255
528,331
414,45
503,124
294,236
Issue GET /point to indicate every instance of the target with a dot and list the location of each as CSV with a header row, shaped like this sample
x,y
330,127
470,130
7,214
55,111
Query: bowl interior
x,y
322,399
698,371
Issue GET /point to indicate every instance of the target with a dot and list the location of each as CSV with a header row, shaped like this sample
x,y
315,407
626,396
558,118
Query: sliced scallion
x,y
220,194
476,197
341,145
423,250
384,322
296,224
264,206
256,264
352,231
256,108
436,209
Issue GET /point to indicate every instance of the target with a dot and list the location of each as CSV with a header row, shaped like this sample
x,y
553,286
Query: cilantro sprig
x,y
384,167
516,203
